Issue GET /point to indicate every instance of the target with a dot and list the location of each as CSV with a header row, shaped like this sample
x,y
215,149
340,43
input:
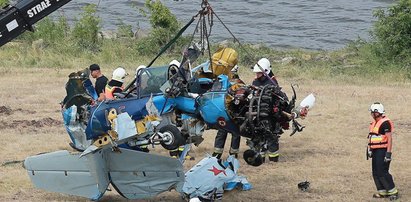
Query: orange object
x,y
376,140
108,92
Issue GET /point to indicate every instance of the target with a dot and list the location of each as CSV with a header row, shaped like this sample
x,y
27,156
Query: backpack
x,y
223,60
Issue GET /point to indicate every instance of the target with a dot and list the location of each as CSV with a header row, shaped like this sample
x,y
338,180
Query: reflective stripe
x,y
218,150
234,151
376,140
273,155
392,191
382,192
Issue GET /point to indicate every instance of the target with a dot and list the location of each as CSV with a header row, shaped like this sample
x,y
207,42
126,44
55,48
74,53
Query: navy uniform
x,y
380,147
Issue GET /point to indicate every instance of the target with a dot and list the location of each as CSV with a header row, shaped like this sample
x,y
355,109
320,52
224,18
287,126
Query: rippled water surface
x,y
312,24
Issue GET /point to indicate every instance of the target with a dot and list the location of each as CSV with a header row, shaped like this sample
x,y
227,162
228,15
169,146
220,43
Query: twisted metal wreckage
x,y
109,134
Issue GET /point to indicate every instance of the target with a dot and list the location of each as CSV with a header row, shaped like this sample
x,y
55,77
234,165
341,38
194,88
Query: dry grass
x,y
330,153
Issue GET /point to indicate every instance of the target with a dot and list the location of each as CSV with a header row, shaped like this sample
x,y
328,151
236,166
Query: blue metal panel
x,y
90,89
98,123
186,104
159,103
212,107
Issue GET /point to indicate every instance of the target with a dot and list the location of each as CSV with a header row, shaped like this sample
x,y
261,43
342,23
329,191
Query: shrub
x,y
4,3
392,32
164,25
160,16
124,30
50,31
85,31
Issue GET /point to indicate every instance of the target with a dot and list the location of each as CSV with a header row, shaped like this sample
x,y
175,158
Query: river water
x,y
310,24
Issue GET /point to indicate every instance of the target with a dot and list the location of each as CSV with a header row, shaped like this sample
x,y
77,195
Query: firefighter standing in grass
x,y
221,136
261,80
380,150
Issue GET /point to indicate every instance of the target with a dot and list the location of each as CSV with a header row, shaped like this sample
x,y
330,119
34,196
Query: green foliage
x,y
160,16
146,46
124,30
164,24
392,32
85,31
51,32
3,3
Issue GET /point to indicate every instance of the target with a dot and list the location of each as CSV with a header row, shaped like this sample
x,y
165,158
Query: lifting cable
x,y
165,48
206,9
241,45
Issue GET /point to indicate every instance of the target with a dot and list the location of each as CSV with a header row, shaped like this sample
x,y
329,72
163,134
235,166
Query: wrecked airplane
x,y
109,134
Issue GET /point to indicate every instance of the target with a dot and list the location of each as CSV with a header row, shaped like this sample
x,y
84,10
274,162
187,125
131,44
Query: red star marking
x,y
216,171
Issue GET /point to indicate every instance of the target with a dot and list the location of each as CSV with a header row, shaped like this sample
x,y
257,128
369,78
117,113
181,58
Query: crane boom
x,y
16,19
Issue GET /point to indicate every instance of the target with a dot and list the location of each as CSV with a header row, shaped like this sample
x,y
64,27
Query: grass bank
x,y
348,65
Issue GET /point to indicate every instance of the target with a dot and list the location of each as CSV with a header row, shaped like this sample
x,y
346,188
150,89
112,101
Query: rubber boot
x,y
234,154
393,194
217,155
174,154
273,159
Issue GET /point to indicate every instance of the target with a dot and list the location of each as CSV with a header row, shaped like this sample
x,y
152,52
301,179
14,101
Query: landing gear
x,y
171,137
252,157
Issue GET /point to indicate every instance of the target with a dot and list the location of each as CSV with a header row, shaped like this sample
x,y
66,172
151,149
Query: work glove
x,y
303,112
368,153
387,157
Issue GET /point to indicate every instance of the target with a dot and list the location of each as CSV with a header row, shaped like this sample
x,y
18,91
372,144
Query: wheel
x,y
252,157
172,137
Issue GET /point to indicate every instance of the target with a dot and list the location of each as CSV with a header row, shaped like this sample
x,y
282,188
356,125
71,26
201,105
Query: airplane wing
x,y
134,174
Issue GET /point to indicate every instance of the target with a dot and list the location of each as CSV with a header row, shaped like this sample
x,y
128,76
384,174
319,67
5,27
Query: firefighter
x,y
221,136
272,145
380,150
174,65
115,85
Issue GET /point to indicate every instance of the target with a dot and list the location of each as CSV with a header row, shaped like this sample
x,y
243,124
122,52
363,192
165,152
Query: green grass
x,y
351,64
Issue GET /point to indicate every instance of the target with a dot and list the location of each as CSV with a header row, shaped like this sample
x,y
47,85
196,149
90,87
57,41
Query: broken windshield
x,y
151,79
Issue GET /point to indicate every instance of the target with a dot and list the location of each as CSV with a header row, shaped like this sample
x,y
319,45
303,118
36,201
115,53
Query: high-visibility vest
x,y
108,91
376,140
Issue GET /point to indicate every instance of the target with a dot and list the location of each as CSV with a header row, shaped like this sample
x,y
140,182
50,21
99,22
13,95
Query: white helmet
x,y
119,74
175,63
140,67
377,107
235,69
263,63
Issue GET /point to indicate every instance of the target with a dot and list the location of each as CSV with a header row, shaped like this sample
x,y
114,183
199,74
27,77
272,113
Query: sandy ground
x,y
330,153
